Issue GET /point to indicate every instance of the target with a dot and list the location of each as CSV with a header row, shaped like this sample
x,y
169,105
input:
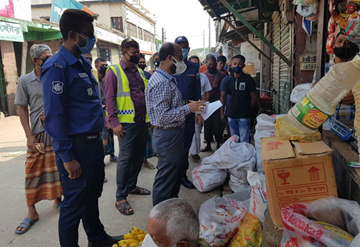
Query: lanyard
x,y
161,73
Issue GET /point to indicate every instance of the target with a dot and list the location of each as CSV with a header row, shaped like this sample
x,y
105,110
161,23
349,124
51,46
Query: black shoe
x,y
108,241
187,183
206,149
195,156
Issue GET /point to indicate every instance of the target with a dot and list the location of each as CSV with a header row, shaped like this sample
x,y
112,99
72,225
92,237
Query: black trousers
x,y
213,127
81,195
131,156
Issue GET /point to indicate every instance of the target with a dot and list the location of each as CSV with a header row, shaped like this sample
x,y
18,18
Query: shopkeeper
x,y
344,51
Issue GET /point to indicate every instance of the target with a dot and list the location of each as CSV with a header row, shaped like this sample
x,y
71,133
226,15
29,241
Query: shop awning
x,y
243,13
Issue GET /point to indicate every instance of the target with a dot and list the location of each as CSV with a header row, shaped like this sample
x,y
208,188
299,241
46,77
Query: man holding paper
x,y
167,114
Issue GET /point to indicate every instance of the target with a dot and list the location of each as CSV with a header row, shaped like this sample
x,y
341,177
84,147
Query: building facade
x,y
115,20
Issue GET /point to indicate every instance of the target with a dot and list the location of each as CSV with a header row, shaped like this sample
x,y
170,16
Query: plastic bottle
x,y
320,102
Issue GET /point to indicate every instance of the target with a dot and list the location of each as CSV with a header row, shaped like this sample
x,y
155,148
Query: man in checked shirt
x,y
167,114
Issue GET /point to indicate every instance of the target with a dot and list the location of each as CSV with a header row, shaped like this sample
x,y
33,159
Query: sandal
x,y
124,208
26,224
140,191
206,149
149,166
57,206
114,159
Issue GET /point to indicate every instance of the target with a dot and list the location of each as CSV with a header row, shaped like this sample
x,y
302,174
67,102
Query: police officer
x,y
74,119
190,88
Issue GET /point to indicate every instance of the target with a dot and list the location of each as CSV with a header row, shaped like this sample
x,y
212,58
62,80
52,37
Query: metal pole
x,y
246,38
209,36
204,43
252,29
23,57
321,31
162,36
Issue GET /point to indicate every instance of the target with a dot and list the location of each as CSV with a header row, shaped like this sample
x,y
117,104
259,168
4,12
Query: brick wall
x,y
10,73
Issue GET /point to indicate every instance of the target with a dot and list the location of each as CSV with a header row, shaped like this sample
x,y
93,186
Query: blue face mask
x,y
90,42
185,52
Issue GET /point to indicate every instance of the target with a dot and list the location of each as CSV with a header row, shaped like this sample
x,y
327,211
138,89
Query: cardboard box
x,y
299,174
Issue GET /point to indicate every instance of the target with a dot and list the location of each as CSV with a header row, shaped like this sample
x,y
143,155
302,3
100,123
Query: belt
x,y
87,137
170,128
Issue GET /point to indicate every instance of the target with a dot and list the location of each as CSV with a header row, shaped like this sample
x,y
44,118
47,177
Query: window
x,y
132,30
149,36
117,23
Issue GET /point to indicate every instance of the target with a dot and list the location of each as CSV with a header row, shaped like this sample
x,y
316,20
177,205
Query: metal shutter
x,y
276,60
285,78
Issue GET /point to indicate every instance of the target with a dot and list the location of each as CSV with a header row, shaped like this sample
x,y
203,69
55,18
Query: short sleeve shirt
x,y
223,87
205,84
215,81
240,98
29,93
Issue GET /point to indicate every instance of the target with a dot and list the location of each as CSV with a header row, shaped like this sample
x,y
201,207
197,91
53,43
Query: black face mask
x,y
173,69
102,70
43,60
212,69
134,59
341,52
142,66
157,63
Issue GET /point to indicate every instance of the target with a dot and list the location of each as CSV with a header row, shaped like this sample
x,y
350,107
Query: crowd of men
x,y
82,109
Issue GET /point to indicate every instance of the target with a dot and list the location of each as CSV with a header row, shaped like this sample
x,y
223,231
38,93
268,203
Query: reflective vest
x,y
125,106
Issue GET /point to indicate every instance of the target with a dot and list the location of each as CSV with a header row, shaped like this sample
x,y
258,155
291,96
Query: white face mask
x,y
148,241
180,66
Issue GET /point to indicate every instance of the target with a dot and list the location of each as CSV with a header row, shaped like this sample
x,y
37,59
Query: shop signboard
x,y
18,9
11,32
108,36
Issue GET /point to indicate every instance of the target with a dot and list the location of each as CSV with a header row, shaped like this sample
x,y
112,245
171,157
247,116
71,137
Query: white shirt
x,y
205,84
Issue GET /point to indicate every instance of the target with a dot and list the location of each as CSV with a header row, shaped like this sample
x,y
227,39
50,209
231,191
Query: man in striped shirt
x,y
167,113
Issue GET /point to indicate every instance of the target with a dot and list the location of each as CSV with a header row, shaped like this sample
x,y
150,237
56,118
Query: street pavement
x,y
44,233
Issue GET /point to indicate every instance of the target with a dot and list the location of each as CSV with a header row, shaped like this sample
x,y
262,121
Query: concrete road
x,y
44,233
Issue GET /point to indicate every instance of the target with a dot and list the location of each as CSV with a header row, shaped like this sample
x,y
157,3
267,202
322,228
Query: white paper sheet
x,y
210,109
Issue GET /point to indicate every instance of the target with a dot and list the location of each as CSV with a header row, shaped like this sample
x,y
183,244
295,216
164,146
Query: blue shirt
x,y
71,100
164,102
189,82
147,74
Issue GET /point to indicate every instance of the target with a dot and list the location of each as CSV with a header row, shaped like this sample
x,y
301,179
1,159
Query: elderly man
x,y
42,179
167,114
190,88
173,222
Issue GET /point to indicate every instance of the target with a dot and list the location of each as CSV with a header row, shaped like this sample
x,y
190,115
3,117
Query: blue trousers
x,y
81,195
169,145
189,132
241,128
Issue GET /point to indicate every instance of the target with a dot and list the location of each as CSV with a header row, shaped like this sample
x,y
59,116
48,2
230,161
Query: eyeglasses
x,y
89,34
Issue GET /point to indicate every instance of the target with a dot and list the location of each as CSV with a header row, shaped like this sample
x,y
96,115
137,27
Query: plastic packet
x,y
287,131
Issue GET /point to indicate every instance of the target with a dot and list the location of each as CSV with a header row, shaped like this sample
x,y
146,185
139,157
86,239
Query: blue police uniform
x,y
74,120
147,74
190,88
